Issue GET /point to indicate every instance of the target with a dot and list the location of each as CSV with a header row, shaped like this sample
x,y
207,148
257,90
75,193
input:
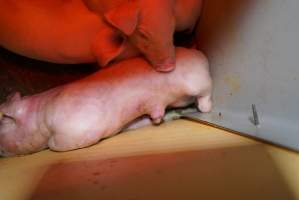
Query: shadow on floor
x,y
230,173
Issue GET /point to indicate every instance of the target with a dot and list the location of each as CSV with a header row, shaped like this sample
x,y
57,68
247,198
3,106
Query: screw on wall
x,y
255,119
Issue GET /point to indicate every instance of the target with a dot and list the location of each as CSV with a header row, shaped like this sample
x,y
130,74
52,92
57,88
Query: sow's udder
x,y
81,113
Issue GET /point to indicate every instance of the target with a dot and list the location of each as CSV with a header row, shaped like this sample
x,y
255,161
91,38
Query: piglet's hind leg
x,y
75,139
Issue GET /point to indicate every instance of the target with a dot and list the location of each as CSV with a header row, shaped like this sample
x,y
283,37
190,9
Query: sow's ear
x,y
124,17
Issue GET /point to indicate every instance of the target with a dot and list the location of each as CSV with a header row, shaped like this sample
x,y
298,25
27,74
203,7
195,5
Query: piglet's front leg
x,y
80,114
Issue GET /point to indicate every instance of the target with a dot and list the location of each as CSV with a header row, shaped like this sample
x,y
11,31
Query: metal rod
x,y
256,120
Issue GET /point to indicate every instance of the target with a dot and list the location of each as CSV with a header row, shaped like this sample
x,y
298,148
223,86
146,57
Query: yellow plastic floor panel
x,y
177,160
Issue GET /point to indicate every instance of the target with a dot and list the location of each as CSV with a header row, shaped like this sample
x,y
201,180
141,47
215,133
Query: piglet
x,y
81,113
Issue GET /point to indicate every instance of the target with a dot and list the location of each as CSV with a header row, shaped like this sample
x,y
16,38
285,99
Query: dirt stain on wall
x,y
233,83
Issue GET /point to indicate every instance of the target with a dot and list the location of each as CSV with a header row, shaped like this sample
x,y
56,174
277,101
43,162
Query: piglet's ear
x,y
124,17
107,46
14,97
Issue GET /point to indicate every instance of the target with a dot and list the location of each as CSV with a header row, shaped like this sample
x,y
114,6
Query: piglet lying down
x,y
81,113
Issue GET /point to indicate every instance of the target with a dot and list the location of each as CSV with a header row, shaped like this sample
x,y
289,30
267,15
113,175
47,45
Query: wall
x,y
253,49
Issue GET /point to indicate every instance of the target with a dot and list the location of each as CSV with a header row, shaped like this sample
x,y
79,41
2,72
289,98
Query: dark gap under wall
x,y
30,76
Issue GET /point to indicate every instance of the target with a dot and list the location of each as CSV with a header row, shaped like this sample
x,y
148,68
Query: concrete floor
x,y
177,160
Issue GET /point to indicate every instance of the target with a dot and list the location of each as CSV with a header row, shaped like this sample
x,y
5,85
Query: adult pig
x,y
99,106
149,25
52,30
82,31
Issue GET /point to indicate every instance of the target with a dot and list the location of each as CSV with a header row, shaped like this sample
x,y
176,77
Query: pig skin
x,y
81,113
85,31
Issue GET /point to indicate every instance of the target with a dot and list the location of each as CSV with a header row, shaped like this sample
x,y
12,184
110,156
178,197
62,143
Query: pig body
x,y
83,31
53,31
81,113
